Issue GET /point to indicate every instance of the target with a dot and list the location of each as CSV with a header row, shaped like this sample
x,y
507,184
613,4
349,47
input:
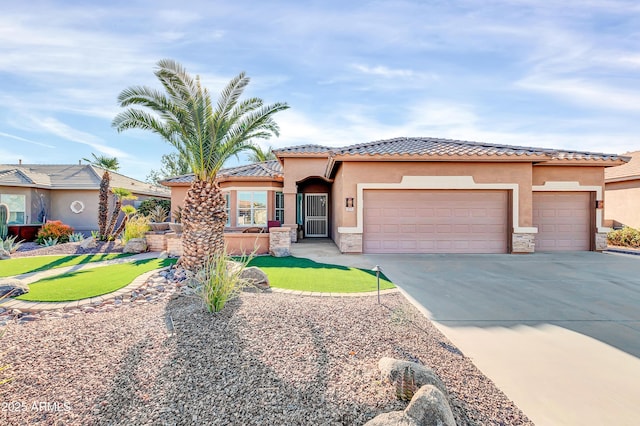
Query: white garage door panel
x,y
422,221
563,221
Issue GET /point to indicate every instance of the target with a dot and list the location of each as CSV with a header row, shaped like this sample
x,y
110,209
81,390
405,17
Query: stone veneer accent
x,y
601,241
523,243
174,244
293,231
156,241
280,242
350,243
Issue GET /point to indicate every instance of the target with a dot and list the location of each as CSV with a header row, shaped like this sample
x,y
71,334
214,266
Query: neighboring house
x,y
69,193
622,193
424,195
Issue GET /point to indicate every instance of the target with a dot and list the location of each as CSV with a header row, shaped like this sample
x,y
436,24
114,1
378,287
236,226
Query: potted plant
x,y
176,225
157,219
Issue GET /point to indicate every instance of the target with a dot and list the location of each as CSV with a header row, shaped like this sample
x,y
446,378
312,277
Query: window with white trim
x,y
279,207
227,208
17,207
252,208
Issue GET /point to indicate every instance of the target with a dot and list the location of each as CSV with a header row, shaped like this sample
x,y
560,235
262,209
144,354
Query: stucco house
x,y
35,192
423,195
622,192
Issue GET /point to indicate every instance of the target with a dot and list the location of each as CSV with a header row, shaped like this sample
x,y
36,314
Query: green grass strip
x,y
23,265
296,273
90,282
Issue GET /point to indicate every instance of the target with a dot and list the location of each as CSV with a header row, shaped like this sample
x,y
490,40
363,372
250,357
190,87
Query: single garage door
x,y
563,220
432,221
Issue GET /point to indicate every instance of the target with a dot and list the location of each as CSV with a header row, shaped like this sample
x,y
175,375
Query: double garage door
x,y
474,221
435,221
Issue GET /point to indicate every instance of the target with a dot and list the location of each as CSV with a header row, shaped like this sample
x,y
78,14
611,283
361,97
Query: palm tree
x,y
259,155
107,164
206,135
120,194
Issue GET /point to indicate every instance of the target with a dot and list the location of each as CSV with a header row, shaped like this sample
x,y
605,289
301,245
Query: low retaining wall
x,y
237,243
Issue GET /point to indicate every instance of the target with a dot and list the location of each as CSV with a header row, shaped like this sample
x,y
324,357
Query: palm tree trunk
x,y
114,218
203,221
118,231
103,204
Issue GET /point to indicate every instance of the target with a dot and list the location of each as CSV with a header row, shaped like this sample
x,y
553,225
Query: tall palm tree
x,y
120,194
206,135
107,164
259,155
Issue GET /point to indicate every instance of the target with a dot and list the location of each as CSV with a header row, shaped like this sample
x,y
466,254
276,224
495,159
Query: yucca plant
x,y
158,214
205,134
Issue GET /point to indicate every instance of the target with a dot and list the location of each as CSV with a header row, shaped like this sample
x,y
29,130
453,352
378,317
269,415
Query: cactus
x,y
4,219
406,384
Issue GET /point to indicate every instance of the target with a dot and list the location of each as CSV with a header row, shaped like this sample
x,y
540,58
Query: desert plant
x,y
4,220
54,229
625,237
406,384
135,227
128,211
49,242
147,206
120,194
95,235
219,280
10,244
206,134
177,215
106,164
76,237
158,214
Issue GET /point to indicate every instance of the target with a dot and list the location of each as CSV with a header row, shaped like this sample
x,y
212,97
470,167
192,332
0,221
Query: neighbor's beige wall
x,y
85,221
352,173
622,202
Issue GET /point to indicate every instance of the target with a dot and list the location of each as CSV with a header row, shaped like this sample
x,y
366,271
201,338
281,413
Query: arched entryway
x,y
314,206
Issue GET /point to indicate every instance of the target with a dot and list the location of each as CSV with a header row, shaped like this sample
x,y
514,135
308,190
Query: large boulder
x,y
428,406
88,243
135,245
393,369
256,277
4,254
13,288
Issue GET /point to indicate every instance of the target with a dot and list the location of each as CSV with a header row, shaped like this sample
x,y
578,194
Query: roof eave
x,y
421,157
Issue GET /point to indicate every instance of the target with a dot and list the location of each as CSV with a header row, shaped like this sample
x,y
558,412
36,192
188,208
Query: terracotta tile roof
x,y
75,176
444,147
631,170
303,149
271,168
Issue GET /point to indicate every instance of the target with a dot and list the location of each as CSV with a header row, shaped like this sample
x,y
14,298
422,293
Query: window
x,y
227,209
279,213
252,208
17,207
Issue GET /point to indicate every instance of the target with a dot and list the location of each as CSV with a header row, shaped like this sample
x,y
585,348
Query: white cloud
x,y
382,71
21,139
60,129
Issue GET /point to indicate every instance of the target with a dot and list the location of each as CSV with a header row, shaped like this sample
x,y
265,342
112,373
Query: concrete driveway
x,y
558,333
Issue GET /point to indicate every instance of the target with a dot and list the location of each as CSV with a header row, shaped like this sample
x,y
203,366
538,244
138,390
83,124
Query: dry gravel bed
x,y
33,249
267,359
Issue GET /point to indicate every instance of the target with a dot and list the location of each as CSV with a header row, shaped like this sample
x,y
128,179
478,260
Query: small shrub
x,y
219,281
95,235
625,237
49,242
147,206
136,227
10,244
54,229
76,237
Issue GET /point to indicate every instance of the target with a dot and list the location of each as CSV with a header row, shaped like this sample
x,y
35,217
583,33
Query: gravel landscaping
x,y
268,358
34,249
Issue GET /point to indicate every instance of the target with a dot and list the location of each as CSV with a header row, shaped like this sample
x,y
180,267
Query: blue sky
x,y
562,74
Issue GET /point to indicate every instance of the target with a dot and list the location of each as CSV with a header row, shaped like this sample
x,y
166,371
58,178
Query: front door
x,y
315,215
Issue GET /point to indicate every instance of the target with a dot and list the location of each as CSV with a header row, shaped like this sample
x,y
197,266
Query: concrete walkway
x,y
32,277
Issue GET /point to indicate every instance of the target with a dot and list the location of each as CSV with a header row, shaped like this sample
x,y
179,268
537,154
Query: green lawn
x,y
22,265
296,273
90,282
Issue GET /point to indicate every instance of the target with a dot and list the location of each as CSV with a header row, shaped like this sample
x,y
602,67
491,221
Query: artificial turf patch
x,y
23,265
296,273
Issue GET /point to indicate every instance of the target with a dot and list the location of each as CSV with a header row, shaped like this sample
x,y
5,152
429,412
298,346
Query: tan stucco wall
x,y
32,200
622,202
295,170
352,173
587,176
85,221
